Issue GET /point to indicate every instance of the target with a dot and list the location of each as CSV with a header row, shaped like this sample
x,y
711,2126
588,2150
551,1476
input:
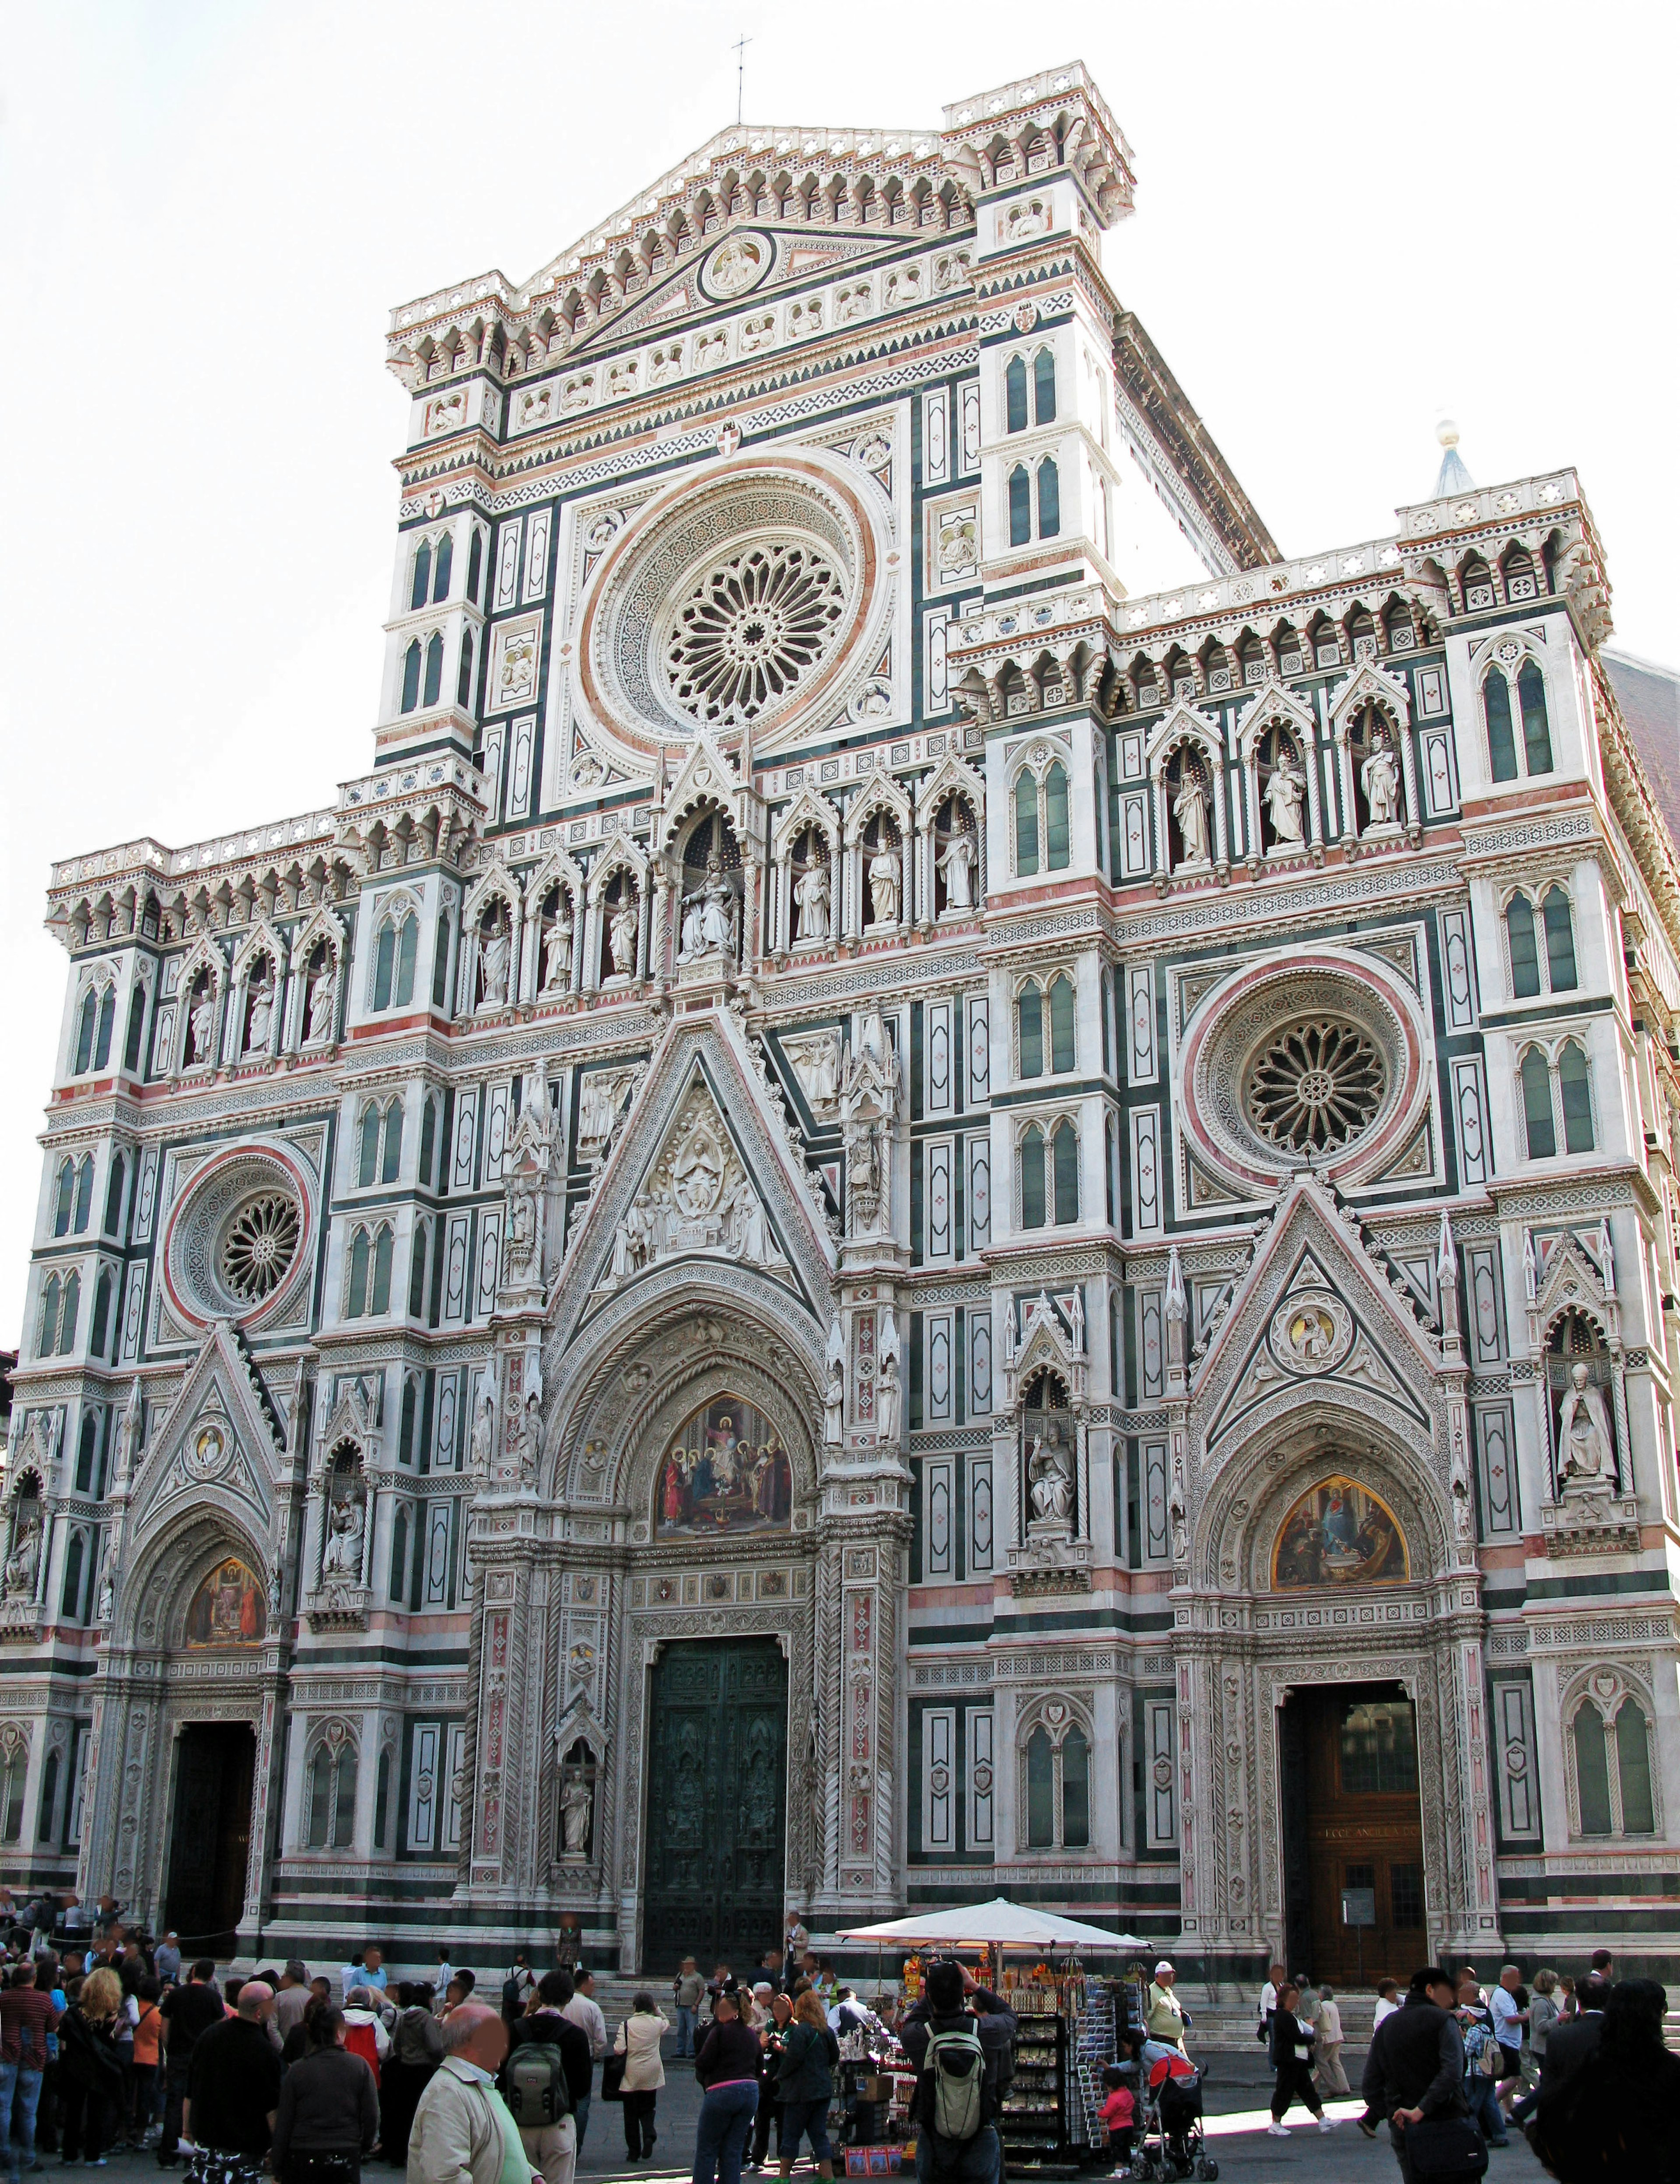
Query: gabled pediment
x,y
1313,1317
222,1442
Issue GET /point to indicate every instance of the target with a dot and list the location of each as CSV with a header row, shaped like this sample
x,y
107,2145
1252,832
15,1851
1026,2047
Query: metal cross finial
x,y
739,50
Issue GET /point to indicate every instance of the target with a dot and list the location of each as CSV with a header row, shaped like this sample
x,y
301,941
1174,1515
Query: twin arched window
x,y
432,562
332,1798
1041,821
380,1145
1058,1791
423,671
1049,1176
1557,1101
1501,722
368,1292
60,1309
1613,1785
1044,376
73,1199
1034,1004
93,1028
1528,979
394,950
1046,481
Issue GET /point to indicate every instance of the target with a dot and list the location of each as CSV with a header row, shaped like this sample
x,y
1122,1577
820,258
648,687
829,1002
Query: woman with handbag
x,y
1293,2041
729,2065
89,2073
641,2075
805,2085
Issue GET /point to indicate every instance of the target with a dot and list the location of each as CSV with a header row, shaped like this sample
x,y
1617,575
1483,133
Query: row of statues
x,y
320,995
1284,797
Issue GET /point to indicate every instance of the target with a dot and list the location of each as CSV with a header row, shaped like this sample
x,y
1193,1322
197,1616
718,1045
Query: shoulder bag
x,y
612,2069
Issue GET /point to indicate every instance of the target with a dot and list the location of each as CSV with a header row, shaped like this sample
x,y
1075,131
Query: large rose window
x,y
259,1246
1316,1086
236,1240
753,629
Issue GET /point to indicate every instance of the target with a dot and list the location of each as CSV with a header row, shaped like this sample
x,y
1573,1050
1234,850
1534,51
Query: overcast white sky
x,y
1350,219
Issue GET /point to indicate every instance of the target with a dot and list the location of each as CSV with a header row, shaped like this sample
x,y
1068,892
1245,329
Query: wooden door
x,y
717,1803
210,1842
1363,1830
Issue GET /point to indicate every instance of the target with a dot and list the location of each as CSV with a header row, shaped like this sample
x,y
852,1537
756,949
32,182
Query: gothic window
x,y
1064,1173
428,1138
1633,1770
1525,957
69,1603
382,1798
69,1313
395,949
1615,1795
49,1800
1032,1207
1557,1101
1026,825
136,1028
1062,1024
63,1198
14,1769
1030,1031
1536,736
475,562
368,1293
1043,388
1501,742
391,1160
1575,1097
1020,506
1537,1105
420,591
47,1325
367,1170
434,668
1056,1763
1049,499
114,1196
1559,940
87,1452
1041,1792
1015,394
411,675
1056,843
440,964
84,1194
463,679
102,1313
442,569
94,1028
1049,1176
399,1555
332,1798
418,1250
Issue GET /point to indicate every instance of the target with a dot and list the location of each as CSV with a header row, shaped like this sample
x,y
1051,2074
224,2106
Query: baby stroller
x,y
1170,2142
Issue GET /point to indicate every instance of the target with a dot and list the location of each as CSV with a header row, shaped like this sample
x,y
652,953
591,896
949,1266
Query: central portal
x,y
215,1766
717,1803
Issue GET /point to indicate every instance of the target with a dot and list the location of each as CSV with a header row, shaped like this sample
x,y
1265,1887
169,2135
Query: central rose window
x,y
1316,1086
259,1246
753,629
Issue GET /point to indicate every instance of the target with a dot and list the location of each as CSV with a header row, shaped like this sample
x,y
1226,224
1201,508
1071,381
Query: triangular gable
x,y
1312,1313
221,1443
705,777
703,1079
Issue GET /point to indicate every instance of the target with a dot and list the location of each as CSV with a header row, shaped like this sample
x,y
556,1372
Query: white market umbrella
x,y
998,1924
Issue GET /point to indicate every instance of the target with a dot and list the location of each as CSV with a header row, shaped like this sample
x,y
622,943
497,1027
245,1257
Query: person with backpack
x,y
730,2066
960,2040
1414,2076
805,2085
517,1990
364,2032
1481,2062
549,2058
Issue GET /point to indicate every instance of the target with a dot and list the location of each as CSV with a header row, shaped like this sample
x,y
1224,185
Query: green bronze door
x,y
717,1802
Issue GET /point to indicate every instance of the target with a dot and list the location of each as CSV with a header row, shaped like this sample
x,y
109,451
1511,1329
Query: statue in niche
x,y
342,1556
319,1012
201,1024
496,950
556,949
816,1063
1049,1476
709,915
810,896
1285,801
744,1232
1380,778
107,1581
868,1110
22,1564
261,1016
577,1808
621,923
883,884
1586,1447
521,1220
483,1438
128,1434
834,1405
888,1391
957,863
527,1437
1190,810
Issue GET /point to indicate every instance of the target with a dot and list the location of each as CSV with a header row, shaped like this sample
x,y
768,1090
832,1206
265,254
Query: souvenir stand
x,y
1066,2021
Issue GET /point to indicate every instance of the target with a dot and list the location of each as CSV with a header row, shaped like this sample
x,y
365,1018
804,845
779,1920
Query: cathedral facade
x,y
947,1183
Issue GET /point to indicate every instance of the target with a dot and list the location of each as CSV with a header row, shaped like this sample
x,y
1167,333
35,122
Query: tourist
x,y
1165,2017
328,2118
1388,2002
687,1991
730,2066
517,1989
1481,2062
794,1948
459,1990
416,2051
805,2085
770,2039
1602,1965
1571,2043
27,2019
1510,2018
233,2084
638,2042
291,1997
365,1969
549,2133
1613,2113
90,2078
770,1969
755,2006
1293,2041
953,2001
1328,2053
444,1972
187,2011
147,2027
1414,2072
1268,2001
1119,2116
463,2133
584,2010
1543,2013
364,2032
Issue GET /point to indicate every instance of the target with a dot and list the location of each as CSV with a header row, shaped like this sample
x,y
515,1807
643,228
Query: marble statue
x,y
834,1405
202,1022
957,861
323,994
128,1434
1285,799
709,915
810,894
24,1563
883,886
107,1582
1049,1476
887,1393
1586,1449
621,934
1380,778
262,1018
576,1806
1190,810
496,949
815,1063
556,949
342,1554
483,1434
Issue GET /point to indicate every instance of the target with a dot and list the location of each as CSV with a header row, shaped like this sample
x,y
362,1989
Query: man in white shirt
x,y
584,2010
463,2132
1508,2023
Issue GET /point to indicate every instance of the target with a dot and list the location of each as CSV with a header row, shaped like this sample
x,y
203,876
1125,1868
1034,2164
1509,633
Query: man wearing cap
x,y
292,1998
1165,2018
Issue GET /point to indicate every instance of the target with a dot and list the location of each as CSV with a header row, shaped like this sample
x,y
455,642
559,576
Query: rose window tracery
x,y
259,1246
1316,1086
752,630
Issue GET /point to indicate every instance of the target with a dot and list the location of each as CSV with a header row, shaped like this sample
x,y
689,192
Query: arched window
x,y
399,1556
1058,1790
367,1172
381,1793
47,1325
102,1313
356,1294
86,1452
1014,395
87,1024
1592,1770
70,1602
1026,825
393,961
332,1798
1030,1022
114,1196
1043,388
1525,959
1056,846
13,1775
45,1829
418,1250
1041,1792
380,1302
411,675
1049,499
84,1194
434,668
420,591
63,1198
102,1038
1575,1090
1020,506
1560,941
1075,1790
69,1313
440,964
136,1030
1633,1770
1062,1024
1501,742
1032,1178
440,581
1064,1169
428,1138
475,562
1537,1105
344,1800
391,1159
463,679
1537,735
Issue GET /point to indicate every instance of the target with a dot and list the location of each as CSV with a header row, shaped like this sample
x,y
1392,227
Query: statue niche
x,y
576,1813
1579,1386
710,910
1048,1445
